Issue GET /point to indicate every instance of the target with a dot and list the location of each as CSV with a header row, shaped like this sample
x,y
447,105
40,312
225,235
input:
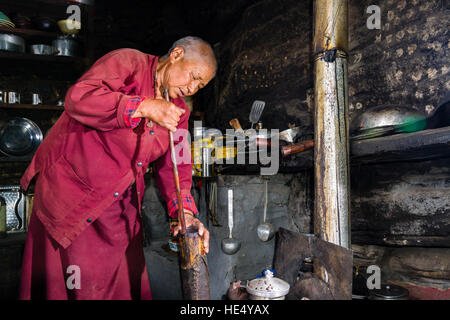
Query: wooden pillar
x,y
331,152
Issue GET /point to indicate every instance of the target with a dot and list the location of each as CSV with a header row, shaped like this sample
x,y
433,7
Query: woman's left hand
x,y
194,222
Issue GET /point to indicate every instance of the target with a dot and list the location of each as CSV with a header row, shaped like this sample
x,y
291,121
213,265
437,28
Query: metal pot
x,y
267,288
259,137
65,47
10,42
36,99
12,97
203,164
42,49
289,135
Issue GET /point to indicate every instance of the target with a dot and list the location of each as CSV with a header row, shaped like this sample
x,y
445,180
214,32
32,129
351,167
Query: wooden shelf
x,y
421,145
16,159
417,146
40,57
28,33
32,33
50,3
30,106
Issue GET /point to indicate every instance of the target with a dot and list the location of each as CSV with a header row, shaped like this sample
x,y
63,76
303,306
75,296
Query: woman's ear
x,y
177,54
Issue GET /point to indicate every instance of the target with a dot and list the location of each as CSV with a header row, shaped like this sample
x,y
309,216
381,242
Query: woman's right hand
x,y
160,111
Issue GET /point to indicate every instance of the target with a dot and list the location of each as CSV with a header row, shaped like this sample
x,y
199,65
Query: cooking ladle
x,y
265,230
229,245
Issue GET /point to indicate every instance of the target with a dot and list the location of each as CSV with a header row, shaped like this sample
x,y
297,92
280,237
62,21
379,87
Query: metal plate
x,y
19,137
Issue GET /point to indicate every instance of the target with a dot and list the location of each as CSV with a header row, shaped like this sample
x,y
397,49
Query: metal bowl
x,y
10,42
19,136
385,115
43,23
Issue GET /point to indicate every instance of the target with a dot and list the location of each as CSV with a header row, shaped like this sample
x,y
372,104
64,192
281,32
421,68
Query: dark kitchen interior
x,y
393,180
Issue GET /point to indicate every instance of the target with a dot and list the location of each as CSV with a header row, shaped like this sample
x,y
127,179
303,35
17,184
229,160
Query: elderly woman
x,y
85,234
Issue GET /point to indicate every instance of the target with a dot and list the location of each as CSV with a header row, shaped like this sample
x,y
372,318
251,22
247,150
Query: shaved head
x,y
194,49
189,66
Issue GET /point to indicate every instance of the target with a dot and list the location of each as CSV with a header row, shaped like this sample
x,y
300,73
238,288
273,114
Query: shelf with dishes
x,y
15,159
31,106
37,39
32,94
41,57
28,33
404,147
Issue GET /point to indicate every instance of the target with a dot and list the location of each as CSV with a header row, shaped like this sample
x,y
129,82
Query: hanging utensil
x,y
265,230
212,205
256,111
229,245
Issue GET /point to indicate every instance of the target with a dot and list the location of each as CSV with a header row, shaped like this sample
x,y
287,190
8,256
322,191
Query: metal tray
x,y
19,136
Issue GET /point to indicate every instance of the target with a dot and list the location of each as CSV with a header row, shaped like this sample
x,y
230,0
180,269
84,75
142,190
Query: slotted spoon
x,y
256,111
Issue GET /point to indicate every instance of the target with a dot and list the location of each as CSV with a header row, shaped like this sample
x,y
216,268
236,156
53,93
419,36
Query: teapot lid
x,y
390,292
268,286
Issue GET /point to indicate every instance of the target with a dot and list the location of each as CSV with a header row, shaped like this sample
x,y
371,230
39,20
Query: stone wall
x,y
401,204
394,205
267,56
289,206
406,61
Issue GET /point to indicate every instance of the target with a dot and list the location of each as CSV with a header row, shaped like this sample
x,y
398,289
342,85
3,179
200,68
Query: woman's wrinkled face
x,y
185,77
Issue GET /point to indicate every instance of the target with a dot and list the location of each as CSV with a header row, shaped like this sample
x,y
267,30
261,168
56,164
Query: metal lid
x,y
268,286
390,292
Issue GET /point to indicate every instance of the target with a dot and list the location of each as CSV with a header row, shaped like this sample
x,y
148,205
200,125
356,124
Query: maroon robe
x,y
90,183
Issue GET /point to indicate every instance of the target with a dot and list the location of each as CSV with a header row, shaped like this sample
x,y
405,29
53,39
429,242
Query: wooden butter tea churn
x,y
193,263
